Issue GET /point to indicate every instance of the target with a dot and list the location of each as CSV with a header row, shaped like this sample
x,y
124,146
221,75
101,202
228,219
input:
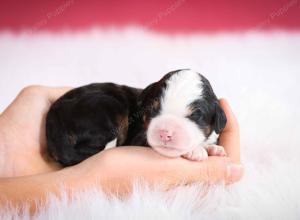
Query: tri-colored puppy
x,y
177,116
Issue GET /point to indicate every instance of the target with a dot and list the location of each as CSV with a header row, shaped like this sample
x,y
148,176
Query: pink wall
x,y
167,15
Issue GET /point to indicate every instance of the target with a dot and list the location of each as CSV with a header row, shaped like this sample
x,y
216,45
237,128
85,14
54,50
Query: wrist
x,y
87,174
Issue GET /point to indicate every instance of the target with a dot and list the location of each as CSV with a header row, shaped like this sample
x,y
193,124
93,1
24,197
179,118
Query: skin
x,y
28,174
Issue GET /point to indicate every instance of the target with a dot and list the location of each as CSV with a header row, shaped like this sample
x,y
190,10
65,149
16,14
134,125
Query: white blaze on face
x,y
182,89
171,133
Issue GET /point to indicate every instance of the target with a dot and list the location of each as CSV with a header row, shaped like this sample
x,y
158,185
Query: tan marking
x,y
122,130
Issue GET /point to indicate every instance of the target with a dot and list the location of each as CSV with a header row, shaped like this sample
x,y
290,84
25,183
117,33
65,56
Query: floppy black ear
x,y
146,94
220,119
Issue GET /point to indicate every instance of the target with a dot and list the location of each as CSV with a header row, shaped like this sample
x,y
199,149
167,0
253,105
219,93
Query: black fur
x,y
85,119
207,112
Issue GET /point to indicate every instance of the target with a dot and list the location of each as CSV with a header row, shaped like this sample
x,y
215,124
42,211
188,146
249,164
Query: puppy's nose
x,y
165,135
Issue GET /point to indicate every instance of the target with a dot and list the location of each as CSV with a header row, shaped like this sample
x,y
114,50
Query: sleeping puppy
x,y
177,116
89,119
181,116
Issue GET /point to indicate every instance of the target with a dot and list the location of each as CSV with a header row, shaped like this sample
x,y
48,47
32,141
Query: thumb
x,y
217,169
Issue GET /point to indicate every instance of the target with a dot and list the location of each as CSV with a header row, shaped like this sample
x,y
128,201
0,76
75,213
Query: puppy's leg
x,y
216,150
198,154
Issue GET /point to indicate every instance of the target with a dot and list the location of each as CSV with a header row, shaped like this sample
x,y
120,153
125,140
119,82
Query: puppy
x,y
89,119
181,116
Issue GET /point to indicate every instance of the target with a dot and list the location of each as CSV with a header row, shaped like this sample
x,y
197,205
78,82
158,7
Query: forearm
x,y
114,171
35,189
28,190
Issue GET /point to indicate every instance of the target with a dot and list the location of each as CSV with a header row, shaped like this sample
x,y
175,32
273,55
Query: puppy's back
x,y
84,120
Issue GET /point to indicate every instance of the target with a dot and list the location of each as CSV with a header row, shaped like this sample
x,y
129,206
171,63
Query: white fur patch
x,y
111,144
182,89
212,139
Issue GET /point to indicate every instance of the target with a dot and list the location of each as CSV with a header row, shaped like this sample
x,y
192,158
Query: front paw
x,y
216,150
197,154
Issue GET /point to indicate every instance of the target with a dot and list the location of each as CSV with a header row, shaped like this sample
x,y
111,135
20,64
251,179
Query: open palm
x,y
23,148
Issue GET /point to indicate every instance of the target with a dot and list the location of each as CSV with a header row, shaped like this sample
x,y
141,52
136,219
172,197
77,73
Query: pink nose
x,y
165,135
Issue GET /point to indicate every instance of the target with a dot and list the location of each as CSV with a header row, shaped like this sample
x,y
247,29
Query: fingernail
x,y
234,172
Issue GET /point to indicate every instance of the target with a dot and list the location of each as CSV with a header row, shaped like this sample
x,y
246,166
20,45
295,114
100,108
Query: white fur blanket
x,y
259,73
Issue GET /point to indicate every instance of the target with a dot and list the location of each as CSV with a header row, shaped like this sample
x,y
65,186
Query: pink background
x,y
166,16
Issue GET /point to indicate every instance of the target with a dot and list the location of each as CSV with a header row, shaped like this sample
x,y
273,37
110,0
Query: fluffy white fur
x,y
257,72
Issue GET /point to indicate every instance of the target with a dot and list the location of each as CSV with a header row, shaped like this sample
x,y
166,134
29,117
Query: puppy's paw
x,y
197,154
216,150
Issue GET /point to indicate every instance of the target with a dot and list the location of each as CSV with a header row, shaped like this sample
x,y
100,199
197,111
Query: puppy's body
x,y
87,119
177,116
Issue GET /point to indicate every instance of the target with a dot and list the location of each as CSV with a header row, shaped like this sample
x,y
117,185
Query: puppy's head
x,y
181,112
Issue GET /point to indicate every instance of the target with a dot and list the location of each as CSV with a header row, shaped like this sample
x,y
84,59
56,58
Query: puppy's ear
x,y
220,119
147,94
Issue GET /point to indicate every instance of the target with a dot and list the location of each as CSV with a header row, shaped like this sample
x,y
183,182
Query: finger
x,y
36,94
216,169
230,136
216,150
28,101
54,93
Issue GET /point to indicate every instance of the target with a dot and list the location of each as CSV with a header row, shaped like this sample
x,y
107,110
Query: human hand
x,y
23,145
22,132
118,167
